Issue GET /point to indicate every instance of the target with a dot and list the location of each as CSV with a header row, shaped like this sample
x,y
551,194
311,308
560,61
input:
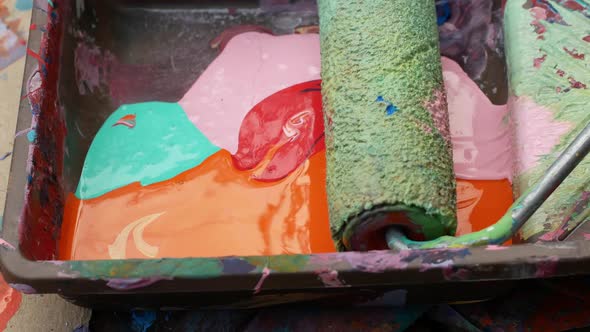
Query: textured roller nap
x,y
387,134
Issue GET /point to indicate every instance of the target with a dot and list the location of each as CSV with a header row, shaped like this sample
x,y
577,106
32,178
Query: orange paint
x,y
211,210
480,203
218,210
10,301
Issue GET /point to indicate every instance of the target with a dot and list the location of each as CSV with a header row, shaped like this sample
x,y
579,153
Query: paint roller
x,y
388,150
390,179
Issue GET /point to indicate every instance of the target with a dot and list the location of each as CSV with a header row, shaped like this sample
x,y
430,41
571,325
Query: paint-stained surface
x,y
549,73
259,277
277,174
19,312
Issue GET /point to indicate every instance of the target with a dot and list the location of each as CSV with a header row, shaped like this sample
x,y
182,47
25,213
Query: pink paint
x,y
91,67
330,278
6,245
251,67
258,64
131,284
480,132
552,236
377,262
221,41
537,133
265,274
496,248
586,236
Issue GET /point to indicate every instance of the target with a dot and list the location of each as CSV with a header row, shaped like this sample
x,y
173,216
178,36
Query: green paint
x,y
131,268
387,49
497,233
522,47
289,263
163,144
199,268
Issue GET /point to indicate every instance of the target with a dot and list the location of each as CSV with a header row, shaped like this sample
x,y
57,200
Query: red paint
x,y
573,5
576,84
551,15
574,53
223,208
538,61
586,39
560,72
539,27
44,200
10,301
293,125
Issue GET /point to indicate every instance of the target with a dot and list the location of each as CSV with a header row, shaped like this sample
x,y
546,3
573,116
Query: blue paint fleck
x,y
32,135
29,179
236,265
82,328
142,320
390,109
443,12
1,222
6,155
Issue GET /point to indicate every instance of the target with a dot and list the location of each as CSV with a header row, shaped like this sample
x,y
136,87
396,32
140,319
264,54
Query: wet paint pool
x,y
237,165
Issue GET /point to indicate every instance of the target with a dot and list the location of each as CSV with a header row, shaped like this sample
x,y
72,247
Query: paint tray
x,y
176,36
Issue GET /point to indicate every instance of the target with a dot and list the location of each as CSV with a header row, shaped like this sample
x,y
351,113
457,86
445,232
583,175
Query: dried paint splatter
x,y
128,120
390,108
437,107
576,84
330,278
574,53
6,245
537,62
547,267
265,274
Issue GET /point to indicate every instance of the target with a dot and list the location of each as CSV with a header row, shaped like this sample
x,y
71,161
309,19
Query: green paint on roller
x,y
385,167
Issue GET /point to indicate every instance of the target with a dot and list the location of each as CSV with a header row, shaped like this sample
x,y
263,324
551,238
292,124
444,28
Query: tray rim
x,y
352,270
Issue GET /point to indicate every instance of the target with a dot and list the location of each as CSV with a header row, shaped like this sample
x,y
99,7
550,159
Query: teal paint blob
x,y
24,5
32,135
161,144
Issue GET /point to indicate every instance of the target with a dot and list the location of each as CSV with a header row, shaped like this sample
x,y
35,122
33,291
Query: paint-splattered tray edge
x,y
413,276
